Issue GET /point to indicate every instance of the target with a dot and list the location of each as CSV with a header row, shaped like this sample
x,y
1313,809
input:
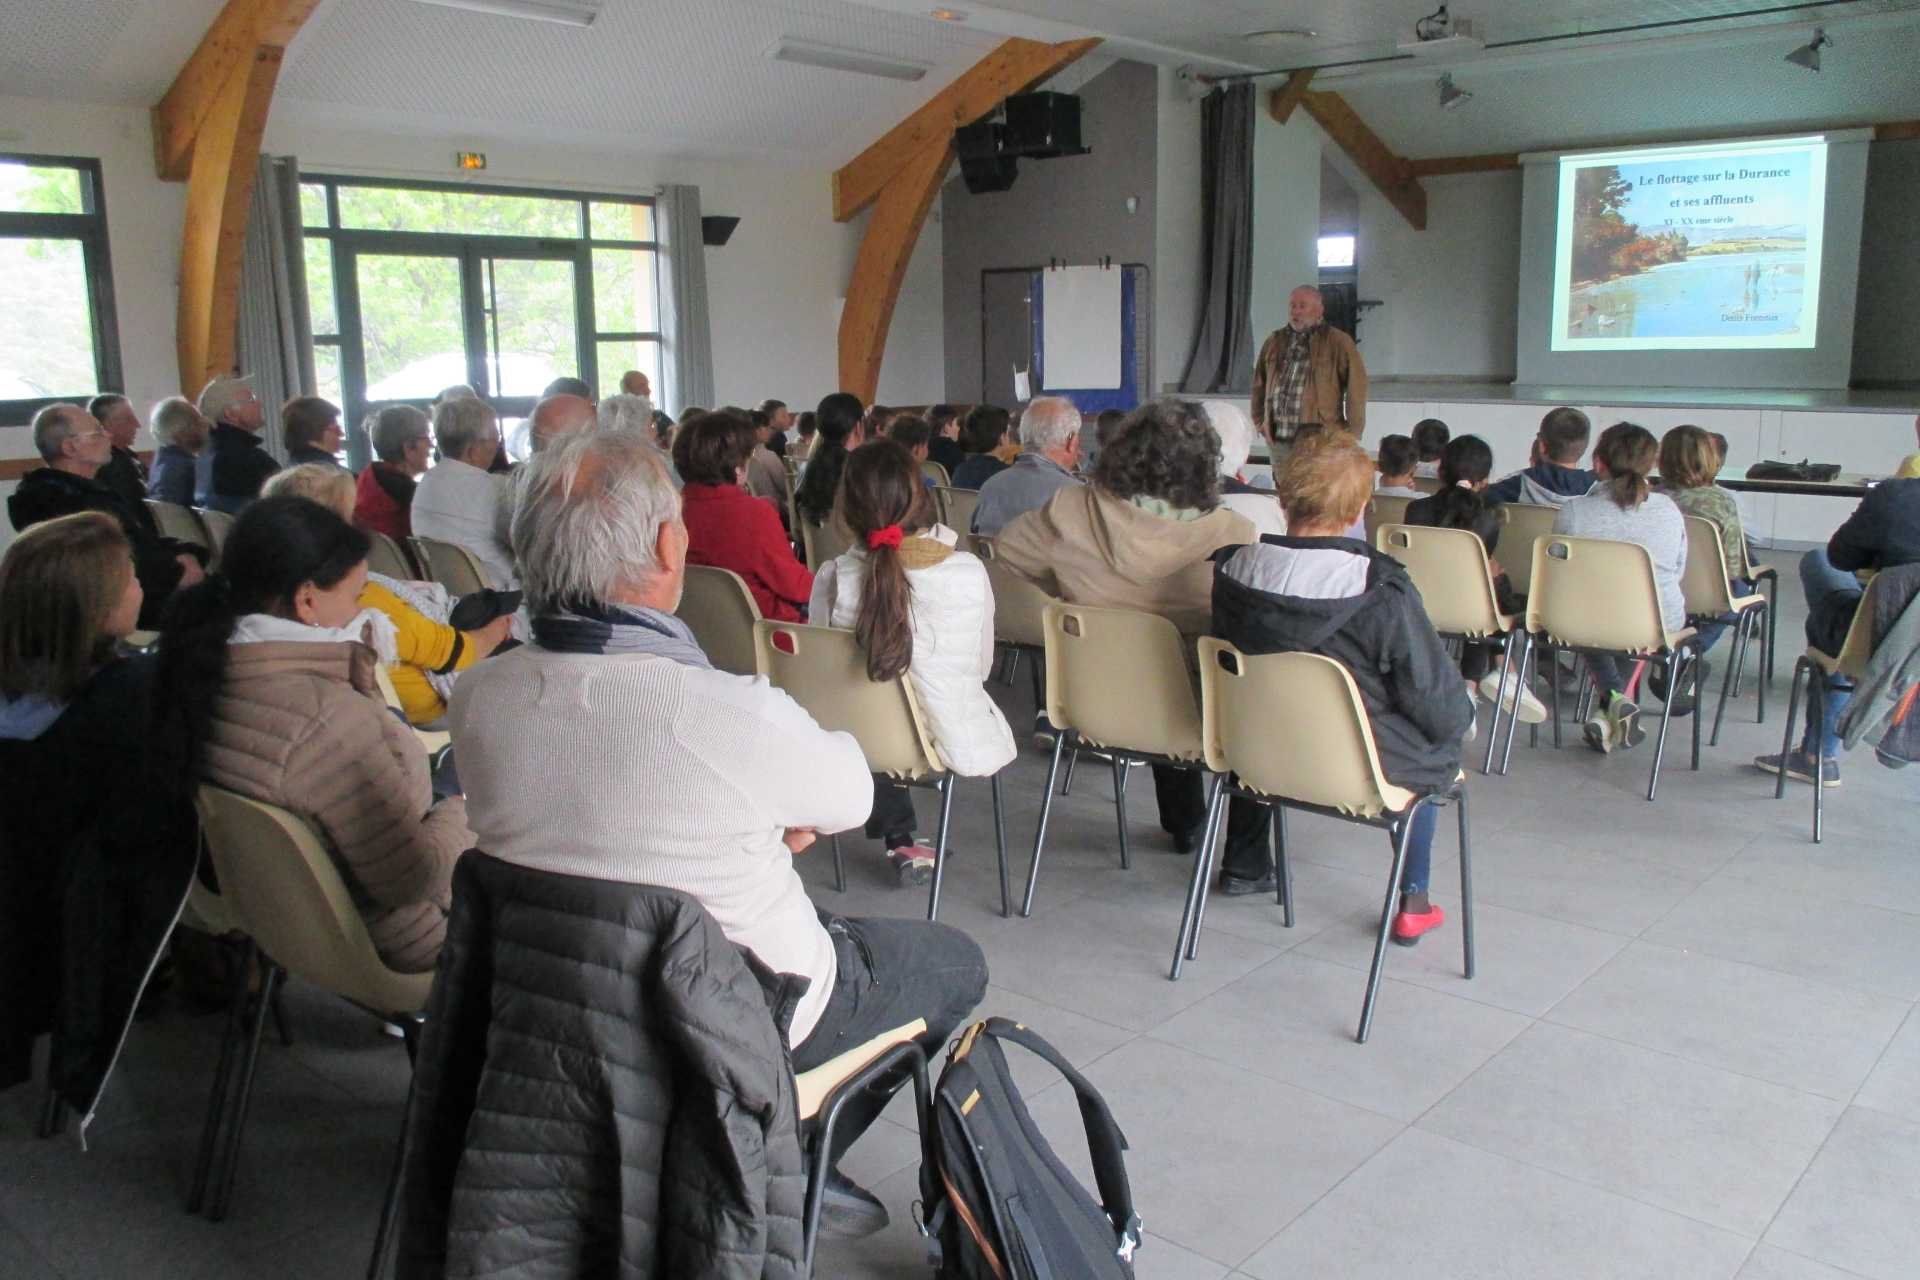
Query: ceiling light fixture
x,y
807,54
950,15
1451,95
1279,35
579,14
1808,54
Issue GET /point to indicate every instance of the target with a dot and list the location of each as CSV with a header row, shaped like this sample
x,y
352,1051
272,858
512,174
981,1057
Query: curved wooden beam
x,y
885,250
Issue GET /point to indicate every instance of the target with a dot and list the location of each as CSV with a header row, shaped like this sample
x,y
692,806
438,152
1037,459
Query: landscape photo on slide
x,y
1692,250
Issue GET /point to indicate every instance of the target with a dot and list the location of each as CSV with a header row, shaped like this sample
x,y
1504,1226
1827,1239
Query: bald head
x,y
634,383
1305,307
559,415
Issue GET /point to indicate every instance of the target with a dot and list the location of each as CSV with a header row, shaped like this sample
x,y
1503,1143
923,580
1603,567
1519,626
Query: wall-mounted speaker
x,y
1041,126
716,229
985,165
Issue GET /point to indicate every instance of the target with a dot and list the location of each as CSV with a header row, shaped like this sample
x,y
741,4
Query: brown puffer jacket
x,y
302,726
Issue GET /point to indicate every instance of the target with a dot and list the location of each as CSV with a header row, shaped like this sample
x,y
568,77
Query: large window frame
x,y
473,250
89,229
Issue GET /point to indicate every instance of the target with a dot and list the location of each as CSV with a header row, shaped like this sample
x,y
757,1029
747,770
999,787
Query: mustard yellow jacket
x,y
424,645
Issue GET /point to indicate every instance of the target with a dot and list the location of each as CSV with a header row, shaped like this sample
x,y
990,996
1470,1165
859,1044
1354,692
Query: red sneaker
x,y
1407,927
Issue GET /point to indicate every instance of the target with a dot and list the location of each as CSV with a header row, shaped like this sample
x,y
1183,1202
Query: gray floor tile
x,y
1480,1215
1874,870
1859,1205
1294,1019
1574,881
1826,939
1769,1263
1895,1083
18,1258
1715,1146
1810,1036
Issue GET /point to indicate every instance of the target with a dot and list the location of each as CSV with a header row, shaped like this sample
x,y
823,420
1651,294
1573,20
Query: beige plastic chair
x,y
1118,681
434,740
1017,622
1333,771
1856,651
824,542
957,507
1709,595
451,565
179,522
936,473
218,525
1597,594
1450,569
385,556
1526,522
285,892
1426,484
825,671
720,611
1385,509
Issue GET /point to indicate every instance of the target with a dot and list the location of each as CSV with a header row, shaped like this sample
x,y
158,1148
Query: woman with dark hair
x,y
1140,537
922,609
729,528
837,429
267,687
982,431
1623,508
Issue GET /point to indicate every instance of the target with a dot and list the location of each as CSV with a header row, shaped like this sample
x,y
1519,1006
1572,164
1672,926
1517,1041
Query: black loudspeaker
x,y
985,165
716,229
1041,126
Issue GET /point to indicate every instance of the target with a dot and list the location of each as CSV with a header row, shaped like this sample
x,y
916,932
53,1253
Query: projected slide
x,y
1707,247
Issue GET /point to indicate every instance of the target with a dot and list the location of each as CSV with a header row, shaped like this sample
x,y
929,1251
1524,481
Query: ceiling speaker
x,y
716,229
985,165
1041,126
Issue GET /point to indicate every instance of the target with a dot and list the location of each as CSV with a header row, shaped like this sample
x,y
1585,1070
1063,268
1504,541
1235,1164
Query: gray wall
x,y
1886,331
1072,208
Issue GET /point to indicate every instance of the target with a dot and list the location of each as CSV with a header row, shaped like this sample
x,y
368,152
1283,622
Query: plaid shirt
x,y
1289,389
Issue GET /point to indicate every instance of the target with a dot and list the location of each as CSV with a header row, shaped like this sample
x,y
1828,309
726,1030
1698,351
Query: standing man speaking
x,y
1308,375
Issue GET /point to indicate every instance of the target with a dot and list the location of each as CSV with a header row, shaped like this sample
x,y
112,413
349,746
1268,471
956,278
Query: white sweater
x,y
642,769
462,504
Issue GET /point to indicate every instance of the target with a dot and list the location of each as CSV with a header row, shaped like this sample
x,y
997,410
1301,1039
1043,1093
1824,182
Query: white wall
x,y
1451,292
1286,215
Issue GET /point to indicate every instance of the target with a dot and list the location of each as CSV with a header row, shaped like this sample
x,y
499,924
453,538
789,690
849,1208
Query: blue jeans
x,y
1245,855
1710,632
1827,588
1419,868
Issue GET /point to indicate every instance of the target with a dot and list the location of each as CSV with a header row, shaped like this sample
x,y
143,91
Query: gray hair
x,y
52,428
221,395
1230,422
172,418
458,391
587,517
391,429
460,424
625,413
1048,423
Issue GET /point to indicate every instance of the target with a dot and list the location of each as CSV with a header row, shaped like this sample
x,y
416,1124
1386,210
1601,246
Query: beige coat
x,y
303,726
1088,547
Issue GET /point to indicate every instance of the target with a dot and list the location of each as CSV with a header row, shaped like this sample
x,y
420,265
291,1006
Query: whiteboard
x,y
1080,345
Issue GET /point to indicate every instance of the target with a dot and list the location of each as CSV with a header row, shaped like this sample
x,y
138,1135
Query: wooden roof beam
x,y
1387,171
1287,96
238,34
881,267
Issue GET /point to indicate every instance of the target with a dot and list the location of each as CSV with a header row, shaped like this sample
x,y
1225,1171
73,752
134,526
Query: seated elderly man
x,y
679,775
459,500
182,435
124,473
229,474
75,446
1050,432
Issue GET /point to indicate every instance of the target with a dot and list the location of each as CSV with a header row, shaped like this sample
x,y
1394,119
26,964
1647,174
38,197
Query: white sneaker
x,y
1532,710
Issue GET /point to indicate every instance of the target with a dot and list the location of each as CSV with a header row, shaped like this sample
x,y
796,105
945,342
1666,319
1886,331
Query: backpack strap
x,y
1105,1141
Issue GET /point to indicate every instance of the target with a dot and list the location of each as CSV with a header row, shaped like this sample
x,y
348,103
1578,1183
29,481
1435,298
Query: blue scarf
x,y
619,628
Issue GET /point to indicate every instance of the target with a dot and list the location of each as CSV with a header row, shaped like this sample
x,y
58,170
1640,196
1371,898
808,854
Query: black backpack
x,y
1001,1204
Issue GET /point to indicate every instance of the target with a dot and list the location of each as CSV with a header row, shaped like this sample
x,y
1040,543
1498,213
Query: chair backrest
x,y
1526,521
718,608
1257,711
1120,678
451,565
936,473
1857,649
957,506
1018,605
1426,484
1705,584
825,671
1450,569
433,741
1385,509
385,556
285,891
1595,593
179,522
218,525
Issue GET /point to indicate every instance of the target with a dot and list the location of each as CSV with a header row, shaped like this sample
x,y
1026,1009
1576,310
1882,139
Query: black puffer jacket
x,y
45,493
1410,685
600,1091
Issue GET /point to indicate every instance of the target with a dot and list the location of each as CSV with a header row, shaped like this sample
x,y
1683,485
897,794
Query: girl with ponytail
x,y
1623,507
919,608
836,431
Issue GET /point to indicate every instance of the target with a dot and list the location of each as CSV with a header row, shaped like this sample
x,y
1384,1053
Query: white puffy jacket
x,y
952,615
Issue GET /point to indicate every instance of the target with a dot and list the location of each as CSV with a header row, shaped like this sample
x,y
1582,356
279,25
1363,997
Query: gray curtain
x,y
1222,358
687,366
276,333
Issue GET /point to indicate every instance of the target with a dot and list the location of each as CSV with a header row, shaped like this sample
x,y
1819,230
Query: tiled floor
x,y
1691,1051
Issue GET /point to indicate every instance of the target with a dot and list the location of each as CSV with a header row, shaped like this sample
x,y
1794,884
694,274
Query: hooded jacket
x,y
1087,546
602,1089
47,492
1340,598
1545,484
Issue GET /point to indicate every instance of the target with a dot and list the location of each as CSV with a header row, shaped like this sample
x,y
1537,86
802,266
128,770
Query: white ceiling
x,y
691,77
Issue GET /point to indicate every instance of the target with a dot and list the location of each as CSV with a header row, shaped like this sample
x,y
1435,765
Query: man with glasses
x,y
232,471
75,446
402,441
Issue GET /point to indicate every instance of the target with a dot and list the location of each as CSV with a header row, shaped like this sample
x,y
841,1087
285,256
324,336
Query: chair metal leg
x,y
1677,668
222,1082
1197,885
1040,832
1771,583
1011,667
1526,666
1699,665
1553,683
1500,700
270,975
940,847
1766,667
53,1110
1730,683
1402,832
1800,668
1816,720
1000,847
1038,669
390,1203
1282,874
280,1026
839,866
1212,837
819,1152
1466,885
1120,772
1073,761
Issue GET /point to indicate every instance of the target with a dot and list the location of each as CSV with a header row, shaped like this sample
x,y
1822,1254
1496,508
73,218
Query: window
x,y
57,335
1336,252
416,287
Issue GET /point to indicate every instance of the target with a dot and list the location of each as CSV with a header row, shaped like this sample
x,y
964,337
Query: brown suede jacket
x,y
1336,391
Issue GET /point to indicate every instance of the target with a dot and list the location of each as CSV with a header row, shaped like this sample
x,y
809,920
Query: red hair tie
x,y
887,537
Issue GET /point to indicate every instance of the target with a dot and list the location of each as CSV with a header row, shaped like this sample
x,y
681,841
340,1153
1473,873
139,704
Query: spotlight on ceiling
x,y
1808,54
1451,95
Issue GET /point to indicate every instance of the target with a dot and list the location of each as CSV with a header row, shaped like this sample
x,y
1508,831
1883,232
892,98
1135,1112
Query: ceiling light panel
x,y
834,58
571,13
